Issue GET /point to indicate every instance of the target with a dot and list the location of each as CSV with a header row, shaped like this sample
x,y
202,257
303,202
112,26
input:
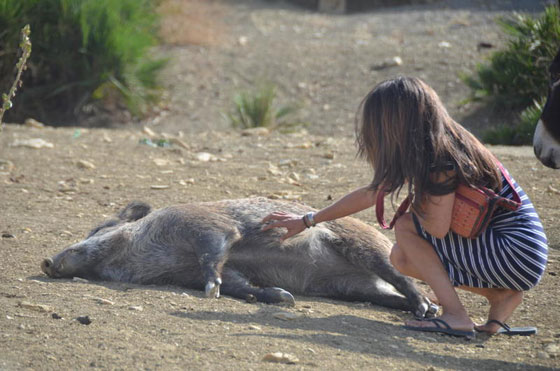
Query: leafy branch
x,y
21,66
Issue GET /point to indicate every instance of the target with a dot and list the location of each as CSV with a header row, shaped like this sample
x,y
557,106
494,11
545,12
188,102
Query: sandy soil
x,y
51,197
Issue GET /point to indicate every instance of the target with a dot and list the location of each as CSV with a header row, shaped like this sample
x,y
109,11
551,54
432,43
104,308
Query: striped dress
x,y
511,253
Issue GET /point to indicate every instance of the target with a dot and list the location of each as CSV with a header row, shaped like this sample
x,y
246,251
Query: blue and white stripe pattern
x,y
510,253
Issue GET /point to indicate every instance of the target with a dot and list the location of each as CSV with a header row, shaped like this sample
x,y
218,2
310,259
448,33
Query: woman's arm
x,y
355,201
437,210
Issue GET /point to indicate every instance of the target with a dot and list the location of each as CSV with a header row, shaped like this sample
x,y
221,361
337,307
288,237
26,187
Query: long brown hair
x,y
404,132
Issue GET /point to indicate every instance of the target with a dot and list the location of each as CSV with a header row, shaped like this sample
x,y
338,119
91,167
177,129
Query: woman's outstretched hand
x,y
292,222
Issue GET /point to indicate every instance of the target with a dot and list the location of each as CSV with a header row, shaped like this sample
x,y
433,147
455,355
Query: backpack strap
x,y
379,210
506,202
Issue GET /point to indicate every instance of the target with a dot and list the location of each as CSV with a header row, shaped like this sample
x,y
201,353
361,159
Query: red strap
x,y
506,202
379,206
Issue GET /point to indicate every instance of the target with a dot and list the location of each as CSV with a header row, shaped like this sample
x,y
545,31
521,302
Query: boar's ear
x,y
108,223
134,211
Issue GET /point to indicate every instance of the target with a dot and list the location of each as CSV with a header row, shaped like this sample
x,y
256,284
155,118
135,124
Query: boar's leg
x,y
238,286
376,261
212,250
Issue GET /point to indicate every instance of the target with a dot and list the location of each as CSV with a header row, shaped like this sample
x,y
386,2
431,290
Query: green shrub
x,y
518,75
519,134
84,51
257,110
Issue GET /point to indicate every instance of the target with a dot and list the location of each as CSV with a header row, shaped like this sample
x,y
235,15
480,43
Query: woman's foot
x,y
456,322
503,303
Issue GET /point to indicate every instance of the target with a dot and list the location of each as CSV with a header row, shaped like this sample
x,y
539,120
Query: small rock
x,y
243,40
279,357
6,165
273,170
294,176
551,189
35,307
285,316
258,132
542,355
83,164
35,143
7,235
80,280
552,349
253,327
137,308
30,122
392,62
56,316
205,157
179,142
103,301
161,162
444,44
159,186
149,132
185,182
84,320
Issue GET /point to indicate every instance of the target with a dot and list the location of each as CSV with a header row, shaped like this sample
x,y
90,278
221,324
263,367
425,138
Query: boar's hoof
x,y
250,298
427,310
212,288
280,296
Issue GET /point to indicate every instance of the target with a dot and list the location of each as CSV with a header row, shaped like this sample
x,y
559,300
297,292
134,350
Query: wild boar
x,y
220,247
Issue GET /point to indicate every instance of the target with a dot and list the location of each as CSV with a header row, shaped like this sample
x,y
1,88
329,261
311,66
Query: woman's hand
x,y
292,222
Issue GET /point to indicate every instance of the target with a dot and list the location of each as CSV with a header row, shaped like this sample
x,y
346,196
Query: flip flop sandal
x,y
442,327
511,331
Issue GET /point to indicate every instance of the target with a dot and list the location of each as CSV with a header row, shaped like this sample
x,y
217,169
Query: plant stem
x,y
25,46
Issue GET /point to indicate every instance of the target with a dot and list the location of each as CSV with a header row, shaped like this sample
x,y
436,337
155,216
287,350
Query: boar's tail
x,y
134,211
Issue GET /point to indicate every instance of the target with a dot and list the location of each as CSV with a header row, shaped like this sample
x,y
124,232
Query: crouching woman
x,y
413,145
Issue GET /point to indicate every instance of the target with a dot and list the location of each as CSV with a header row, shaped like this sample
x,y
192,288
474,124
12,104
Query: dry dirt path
x,y
51,197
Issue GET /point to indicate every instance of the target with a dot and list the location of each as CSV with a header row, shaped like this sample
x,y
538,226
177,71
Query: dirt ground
x,y
51,196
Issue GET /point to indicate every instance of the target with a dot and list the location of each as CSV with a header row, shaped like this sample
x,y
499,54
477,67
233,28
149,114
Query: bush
x,y
84,51
518,75
519,134
257,110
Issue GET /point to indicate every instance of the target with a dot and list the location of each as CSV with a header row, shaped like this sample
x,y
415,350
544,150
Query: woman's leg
x,y
503,303
415,257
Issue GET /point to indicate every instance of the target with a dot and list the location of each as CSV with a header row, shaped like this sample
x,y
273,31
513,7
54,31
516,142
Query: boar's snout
x,y
47,266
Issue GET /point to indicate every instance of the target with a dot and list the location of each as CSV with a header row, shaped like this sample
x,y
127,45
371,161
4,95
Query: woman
x,y
411,142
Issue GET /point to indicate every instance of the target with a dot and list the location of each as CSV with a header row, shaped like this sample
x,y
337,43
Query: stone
x,y
257,132
279,357
35,143
32,123
84,320
286,316
35,307
84,164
